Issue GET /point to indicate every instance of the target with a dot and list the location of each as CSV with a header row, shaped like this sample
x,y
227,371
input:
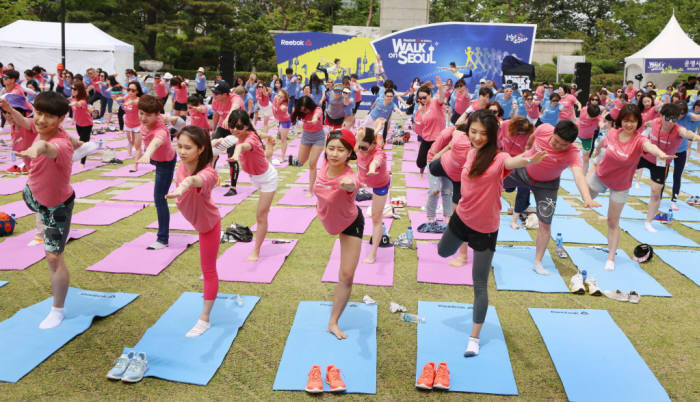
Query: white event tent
x,y
29,43
670,50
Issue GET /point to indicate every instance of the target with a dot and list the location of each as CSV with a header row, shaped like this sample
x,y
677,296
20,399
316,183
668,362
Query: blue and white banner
x,y
427,51
672,66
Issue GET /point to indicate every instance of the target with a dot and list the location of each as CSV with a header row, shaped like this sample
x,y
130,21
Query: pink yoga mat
x,y
409,167
413,180
178,222
416,198
244,192
413,145
142,192
368,225
416,219
93,186
124,171
89,165
116,144
106,213
381,273
410,155
233,267
288,220
297,196
13,185
19,208
22,256
303,177
133,258
366,203
434,269
243,177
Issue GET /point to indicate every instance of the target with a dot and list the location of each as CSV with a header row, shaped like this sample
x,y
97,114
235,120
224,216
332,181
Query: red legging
x,y
208,251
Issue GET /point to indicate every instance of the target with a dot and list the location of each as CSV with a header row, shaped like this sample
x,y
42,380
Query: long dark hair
x,y
241,116
80,92
305,102
485,155
139,91
201,139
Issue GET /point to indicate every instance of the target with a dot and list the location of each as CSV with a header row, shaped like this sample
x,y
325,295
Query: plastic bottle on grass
x,y
670,216
560,246
412,318
409,236
13,156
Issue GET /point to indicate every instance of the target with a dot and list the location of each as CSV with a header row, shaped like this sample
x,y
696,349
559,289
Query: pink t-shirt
x,y
514,145
441,142
165,152
476,105
555,162
453,160
480,205
262,97
253,161
667,141
533,110
649,114
381,179
335,207
280,112
181,93
196,204
310,127
620,160
199,118
567,113
81,115
587,125
630,93
222,108
23,138
432,120
461,102
49,178
615,111
161,89
131,112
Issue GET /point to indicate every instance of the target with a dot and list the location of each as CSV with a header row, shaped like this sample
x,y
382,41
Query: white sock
x,y
53,319
472,347
647,226
537,267
199,328
609,265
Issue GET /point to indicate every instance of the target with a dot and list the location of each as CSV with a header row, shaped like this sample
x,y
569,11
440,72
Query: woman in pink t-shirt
x,y
431,118
568,100
515,137
372,171
197,112
589,124
477,217
335,191
312,137
649,108
132,124
262,94
281,114
195,178
251,154
81,113
179,88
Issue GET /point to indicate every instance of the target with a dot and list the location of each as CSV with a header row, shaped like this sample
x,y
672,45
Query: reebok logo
x,y
285,42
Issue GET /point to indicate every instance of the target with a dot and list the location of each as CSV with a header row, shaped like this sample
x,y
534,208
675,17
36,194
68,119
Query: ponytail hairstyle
x,y
520,126
201,139
305,102
240,116
485,155
369,136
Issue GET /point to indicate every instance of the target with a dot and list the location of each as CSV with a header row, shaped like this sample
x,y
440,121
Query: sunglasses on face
x,y
528,98
131,90
671,119
260,87
618,92
493,111
650,85
363,147
595,100
239,126
422,97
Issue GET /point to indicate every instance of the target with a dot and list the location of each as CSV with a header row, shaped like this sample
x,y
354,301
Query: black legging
x,y
84,135
120,118
678,166
422,159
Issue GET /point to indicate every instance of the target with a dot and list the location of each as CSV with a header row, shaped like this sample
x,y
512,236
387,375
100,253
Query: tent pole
x,y
63,33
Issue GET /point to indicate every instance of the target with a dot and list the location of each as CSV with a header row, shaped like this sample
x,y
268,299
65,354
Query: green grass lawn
x,y
663,330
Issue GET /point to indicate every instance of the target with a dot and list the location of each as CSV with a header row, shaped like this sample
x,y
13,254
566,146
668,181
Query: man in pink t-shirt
x,y
543,178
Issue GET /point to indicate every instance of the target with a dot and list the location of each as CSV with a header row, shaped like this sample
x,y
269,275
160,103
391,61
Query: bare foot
x,y
333,329
458,262
308,194
253,256
369,260
514,225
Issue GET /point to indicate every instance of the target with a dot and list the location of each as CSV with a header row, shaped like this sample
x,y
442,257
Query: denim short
x,y
384,190
56,220
285,124
596,186
318,138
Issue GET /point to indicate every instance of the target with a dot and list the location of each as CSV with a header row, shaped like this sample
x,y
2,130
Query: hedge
x,y
190,74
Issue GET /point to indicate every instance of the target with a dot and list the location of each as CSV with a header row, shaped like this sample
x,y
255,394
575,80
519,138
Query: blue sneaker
x,y
138,366
120,366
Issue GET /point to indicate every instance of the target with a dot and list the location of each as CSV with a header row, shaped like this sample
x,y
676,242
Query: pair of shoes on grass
x,y
315,383
129,367
434,378
578,286
632,296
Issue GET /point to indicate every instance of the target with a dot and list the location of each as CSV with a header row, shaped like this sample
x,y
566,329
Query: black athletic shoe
x,y
291,161
231,192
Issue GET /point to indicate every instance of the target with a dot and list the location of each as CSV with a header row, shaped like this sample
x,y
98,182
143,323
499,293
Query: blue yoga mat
x,y
691,188
23,345
628,275
594,358
665,236
3,283
309,343
569,186
506,233
512,269
576,230
695,226
683,261
172,356
643,190
627,211
444,336
685,212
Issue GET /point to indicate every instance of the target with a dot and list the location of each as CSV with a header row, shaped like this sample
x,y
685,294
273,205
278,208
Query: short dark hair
x,y
388,91
682,106
369,137
670,110
288,70
353,76
194,100
629,109
498,106
567,130
485,92
52,103
552,97
150,104
12,74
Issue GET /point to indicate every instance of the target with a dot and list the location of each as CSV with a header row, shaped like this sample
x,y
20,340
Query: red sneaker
x,y
333,379
442,378
14,169
315,384
25,170
425,381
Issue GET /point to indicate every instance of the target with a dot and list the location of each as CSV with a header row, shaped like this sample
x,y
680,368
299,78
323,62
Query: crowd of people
x,y
475,145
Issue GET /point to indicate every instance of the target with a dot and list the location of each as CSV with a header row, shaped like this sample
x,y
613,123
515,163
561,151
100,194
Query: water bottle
x,y
411,318
584,274
670,216
13,156
383,229
409,236
99,144
560,246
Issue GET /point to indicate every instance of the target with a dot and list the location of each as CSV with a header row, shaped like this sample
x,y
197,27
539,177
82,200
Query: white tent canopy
x,y
29,43
671,43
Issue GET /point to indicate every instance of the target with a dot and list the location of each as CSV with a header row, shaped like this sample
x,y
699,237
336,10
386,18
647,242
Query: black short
x,y
454,117
477,241
658,173
437,170
334,122
357,227
180,106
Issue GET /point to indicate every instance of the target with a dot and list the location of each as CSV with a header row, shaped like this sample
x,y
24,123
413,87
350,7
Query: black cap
x,y
221,87
643,253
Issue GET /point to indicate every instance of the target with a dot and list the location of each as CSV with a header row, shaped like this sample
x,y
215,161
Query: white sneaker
x,y
576,284
472,347
617,295
592,286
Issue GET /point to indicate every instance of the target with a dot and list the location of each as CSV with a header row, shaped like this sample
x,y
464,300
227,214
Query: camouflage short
x,y
56,220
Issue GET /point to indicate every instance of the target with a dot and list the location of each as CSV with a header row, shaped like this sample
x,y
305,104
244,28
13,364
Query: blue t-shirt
x,y
688,124
290,85
350,106
317,93
382,111
200,84
550,115
248,97
506,104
